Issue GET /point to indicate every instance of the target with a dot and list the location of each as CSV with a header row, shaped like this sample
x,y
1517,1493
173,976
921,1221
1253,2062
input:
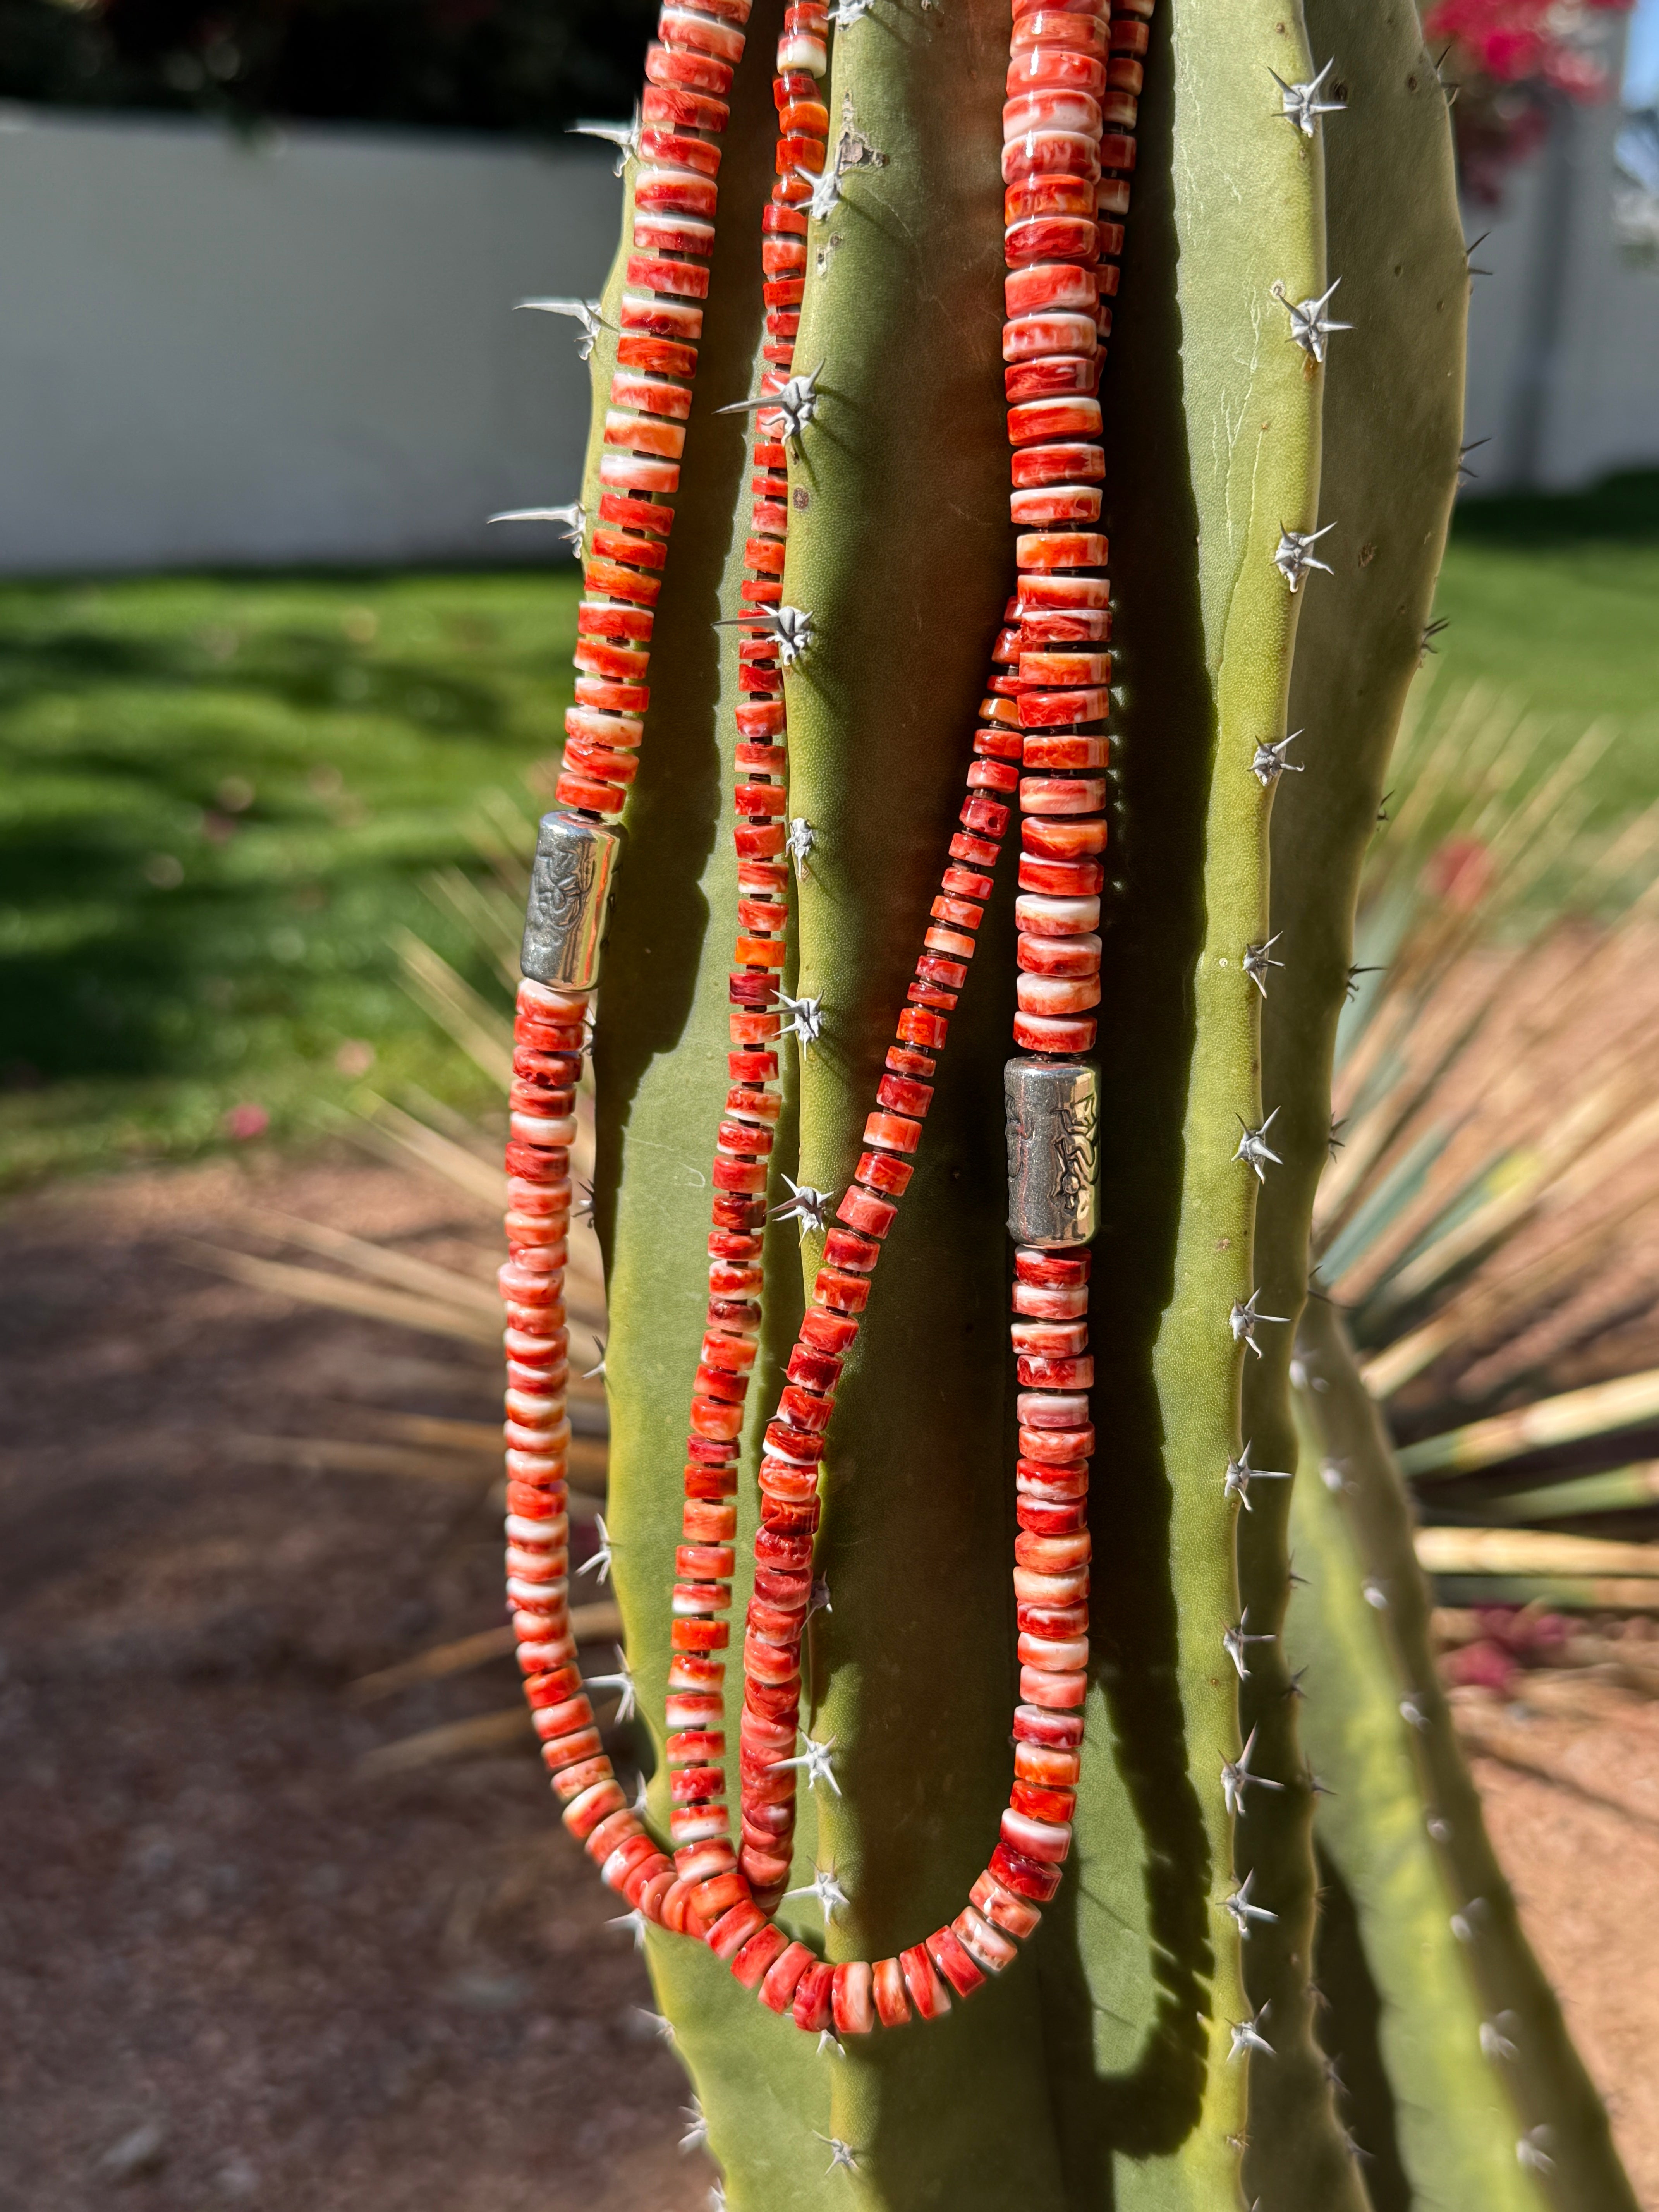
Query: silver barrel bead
x,y
1053,1152
569,892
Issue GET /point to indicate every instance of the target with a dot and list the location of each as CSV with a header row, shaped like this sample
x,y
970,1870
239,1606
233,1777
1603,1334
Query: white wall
x,y
1563,334
302,349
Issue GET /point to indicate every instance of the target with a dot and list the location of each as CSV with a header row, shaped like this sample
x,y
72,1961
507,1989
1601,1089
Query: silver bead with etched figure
x,y
1054,1151
570,884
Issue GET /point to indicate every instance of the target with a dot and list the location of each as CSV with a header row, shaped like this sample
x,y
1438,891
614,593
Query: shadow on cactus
x,y
801,576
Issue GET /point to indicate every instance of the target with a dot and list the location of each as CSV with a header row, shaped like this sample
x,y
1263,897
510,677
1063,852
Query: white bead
x,y
1055,917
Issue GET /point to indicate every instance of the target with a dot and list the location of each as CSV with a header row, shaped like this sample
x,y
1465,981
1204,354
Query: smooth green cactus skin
x,y
1096,2073
1449,2127
1212,449
1546,2079
1392,416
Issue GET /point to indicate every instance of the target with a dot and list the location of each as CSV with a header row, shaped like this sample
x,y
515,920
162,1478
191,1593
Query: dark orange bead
x,y
1038,198
661,142
920,1025
862,1210
1036,67
840,1291
922,1984
1026,1877
757,1955
829,1332
892,2004
1045,288
1049,153
819,1370
885,1172
688,110
844,1249
953,1963
1035,420
813,1997
734,1927
1054,26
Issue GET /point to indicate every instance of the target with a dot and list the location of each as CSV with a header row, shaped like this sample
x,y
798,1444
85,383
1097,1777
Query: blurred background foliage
x,y
222,799
1552,595
519,65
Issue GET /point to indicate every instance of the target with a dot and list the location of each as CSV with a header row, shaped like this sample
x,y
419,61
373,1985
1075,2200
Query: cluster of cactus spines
x,y
1159,2048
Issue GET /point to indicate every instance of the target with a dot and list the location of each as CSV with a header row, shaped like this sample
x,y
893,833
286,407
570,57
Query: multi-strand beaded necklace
x,y
1073,78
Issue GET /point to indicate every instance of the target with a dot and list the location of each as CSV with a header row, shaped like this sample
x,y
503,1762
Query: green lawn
x,y
217,796
220,794
1558,598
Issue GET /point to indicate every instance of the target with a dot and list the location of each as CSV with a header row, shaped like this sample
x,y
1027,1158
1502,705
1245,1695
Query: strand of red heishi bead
x,y
710,1880
1061,97
1072,74
682,115
1059,100
688,70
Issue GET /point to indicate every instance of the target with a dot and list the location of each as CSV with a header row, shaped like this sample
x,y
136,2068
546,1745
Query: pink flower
x,y
1480,1666
1520,42
1528,1635
1458,872
246,1121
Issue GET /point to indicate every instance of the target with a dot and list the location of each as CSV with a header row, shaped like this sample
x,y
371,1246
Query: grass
x,y
217,797
1557,597
220,795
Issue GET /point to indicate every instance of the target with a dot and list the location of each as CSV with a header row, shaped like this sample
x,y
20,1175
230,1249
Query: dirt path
x,y
229,1963
1582,1853
234,1972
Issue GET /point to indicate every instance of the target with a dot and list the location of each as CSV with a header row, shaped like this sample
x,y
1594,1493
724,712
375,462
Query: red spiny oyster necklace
x,y
1073,78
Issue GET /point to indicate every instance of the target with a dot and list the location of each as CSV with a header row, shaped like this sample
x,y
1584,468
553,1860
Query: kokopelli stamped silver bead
x,y
1054,1151
569,892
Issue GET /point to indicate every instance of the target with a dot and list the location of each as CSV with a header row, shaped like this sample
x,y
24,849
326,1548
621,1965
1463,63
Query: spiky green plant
x,y
1146,2053
1158,2046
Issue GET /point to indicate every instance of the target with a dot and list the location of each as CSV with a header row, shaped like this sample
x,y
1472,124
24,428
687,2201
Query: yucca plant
x,y
1486,1222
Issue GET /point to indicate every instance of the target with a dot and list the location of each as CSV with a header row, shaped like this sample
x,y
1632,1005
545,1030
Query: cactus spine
x,y
1155,2049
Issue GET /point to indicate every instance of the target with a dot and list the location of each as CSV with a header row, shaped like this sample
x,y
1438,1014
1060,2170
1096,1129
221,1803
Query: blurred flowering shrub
x,y
1507,62
524,65
1460,872
1508,1640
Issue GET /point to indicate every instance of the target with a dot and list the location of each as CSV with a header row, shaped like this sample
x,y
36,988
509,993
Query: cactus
x,y
1154,2044
1493,2103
